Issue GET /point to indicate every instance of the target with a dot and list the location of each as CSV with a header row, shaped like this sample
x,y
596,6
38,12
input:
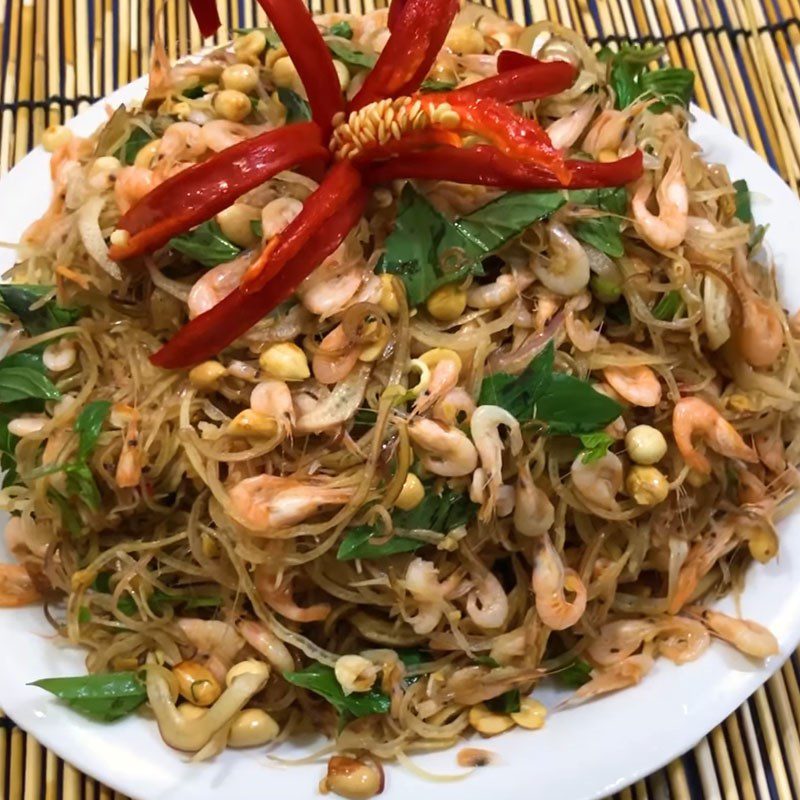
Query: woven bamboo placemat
x,y
58,56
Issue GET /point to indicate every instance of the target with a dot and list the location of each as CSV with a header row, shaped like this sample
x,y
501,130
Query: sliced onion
x,y
92,236
339,406
515,361
174,288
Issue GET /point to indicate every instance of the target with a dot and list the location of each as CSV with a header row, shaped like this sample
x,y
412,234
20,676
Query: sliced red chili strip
x,y
211,332
197,193
410,143
487,166
338,187
395,10
304,44
528,82
419,29
207,15
511,59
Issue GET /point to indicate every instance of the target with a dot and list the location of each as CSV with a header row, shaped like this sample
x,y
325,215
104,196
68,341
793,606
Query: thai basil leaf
x,y
89,425
356,544
674,85
257,227
69,516
193,92
273,40
759,232
81,484
351,57
431,85
84,615
206,245
18,299
297,109
614,200
566,404
603,233
743,211
24,383
595,446
137,139
341,29
105,697
321,679
8,458
668,306
576,674
507,703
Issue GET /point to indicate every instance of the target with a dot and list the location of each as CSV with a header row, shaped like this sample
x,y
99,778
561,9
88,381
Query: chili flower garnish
x,y
389,130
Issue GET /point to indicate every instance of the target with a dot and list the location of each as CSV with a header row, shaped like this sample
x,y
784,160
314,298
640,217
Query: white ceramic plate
x,y
584,752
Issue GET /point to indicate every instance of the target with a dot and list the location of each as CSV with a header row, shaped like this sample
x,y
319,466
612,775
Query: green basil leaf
x,y
485,661
105,697
194,92
595,446
18,299
8,456
136,140
624,80
431,85
81,484
70,518
356,544
507,703
437,512
206,245
257,227
603,233
31,358
668,306
321,679
341,29
84,615
89,425
576,674
23,383
614,200
158,600
674,85
351,57
606,291
273,40
297,109
759,232
744,212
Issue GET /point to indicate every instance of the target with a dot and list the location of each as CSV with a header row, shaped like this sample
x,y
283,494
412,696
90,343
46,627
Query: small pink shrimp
x,y
131,185
456,407
335,358
534,514
620,676
695,417
274,398
333,285
638,385
182,141
265,504
266,643
17,587
422,583
745,635
445,451
216,284
281,599
565,132
668,229
608,130
550,582
216,640
771,450
487,603
444,377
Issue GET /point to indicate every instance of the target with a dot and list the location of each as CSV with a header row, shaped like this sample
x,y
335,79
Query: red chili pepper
x,y
411,143
207,16
209,333
526,82
418,33
306,47
337,188
197,193
487,166
395,10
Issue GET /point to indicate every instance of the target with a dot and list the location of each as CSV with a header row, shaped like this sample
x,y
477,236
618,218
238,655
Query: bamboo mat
x,y
58,56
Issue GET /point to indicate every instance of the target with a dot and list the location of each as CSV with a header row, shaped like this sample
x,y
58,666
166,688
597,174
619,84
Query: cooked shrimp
x,y
598,482
274,399
608,130
422,583
627,673
580,333
182,141
129,466
444,377
534,514
638,385
564,132
17,587
485,429
332,286
217,641
770,449
681,639
745,635
445,450
693,417
131,185
759,337
550,582
281,598
277,214
216,284
335,358
220,134
267,503
493,295
668,229
567,271
456,407
701,558
267,644
487,603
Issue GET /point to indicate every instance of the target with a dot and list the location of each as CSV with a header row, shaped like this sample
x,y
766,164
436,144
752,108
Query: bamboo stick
x,y
751,739
722,761
33,788
10,88
734,737
705,768
126,43
145,33
105,26
70,71
772,745
51,782
23,125
678,783
71,785
788,734
4,753
183,39
16,775
53,61
39,71
84,84
97,48
171,33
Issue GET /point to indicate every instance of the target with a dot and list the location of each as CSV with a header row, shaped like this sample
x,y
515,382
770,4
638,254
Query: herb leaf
x,y
25,383
744,212
81,483
351,57
69,516
566,404
137,139
341,29
602,233
321,679
507,703
8,458
356,544
668,306
105,697
576,674
89,425
297,109
206,245
630,79
18,299
595,446
431,85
